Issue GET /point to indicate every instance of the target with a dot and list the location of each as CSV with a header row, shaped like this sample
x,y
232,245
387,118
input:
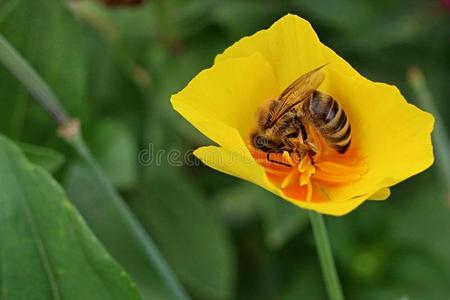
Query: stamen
x,y
309,191
312,172
288,158
304,164
306,170
288,179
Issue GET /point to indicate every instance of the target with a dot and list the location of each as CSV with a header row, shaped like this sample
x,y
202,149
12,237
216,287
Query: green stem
x,y
441,138
333,286
42,93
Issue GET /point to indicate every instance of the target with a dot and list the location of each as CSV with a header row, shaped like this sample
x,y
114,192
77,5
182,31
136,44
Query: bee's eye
x,y
260,141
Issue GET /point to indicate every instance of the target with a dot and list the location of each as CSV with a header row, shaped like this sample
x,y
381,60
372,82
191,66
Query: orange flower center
x,y
308,177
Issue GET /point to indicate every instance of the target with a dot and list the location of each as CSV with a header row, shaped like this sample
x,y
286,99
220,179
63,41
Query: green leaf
x,y
47,158
189,236
175,213
45,33
135,26
90,197
245,17
413,274
398,248
237,204
281,220
6,8
306,283
429,205
114,146
47,251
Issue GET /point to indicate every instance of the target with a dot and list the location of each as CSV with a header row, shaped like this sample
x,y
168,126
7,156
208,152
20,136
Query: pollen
x,y
308,177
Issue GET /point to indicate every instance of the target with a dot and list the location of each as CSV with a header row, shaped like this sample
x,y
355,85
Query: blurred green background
x,y
115,67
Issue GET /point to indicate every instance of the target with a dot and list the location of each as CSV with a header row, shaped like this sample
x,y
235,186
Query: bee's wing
x,y
297,92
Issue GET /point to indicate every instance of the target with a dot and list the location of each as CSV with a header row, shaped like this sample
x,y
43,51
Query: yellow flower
x,y
391,139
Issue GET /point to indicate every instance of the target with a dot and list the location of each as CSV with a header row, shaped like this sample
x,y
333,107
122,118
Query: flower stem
x,y
69,131
31,80
332,283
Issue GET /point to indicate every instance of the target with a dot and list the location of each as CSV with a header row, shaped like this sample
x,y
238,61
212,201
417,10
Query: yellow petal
x,y
222,101
237,165
291,46
392,135
382,194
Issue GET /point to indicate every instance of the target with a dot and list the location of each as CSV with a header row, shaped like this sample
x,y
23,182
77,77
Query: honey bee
x,y
286,123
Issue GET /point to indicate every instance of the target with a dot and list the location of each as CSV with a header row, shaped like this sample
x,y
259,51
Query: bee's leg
x,y
311,140
275,161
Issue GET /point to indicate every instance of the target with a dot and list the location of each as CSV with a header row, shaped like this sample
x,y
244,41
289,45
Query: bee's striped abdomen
x,y
329,118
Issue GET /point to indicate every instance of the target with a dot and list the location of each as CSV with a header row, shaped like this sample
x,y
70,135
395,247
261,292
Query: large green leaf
x,y
45,33
115,148
47,251
47,158
189,236
174,210
398,248
281,220
306,282
95,204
